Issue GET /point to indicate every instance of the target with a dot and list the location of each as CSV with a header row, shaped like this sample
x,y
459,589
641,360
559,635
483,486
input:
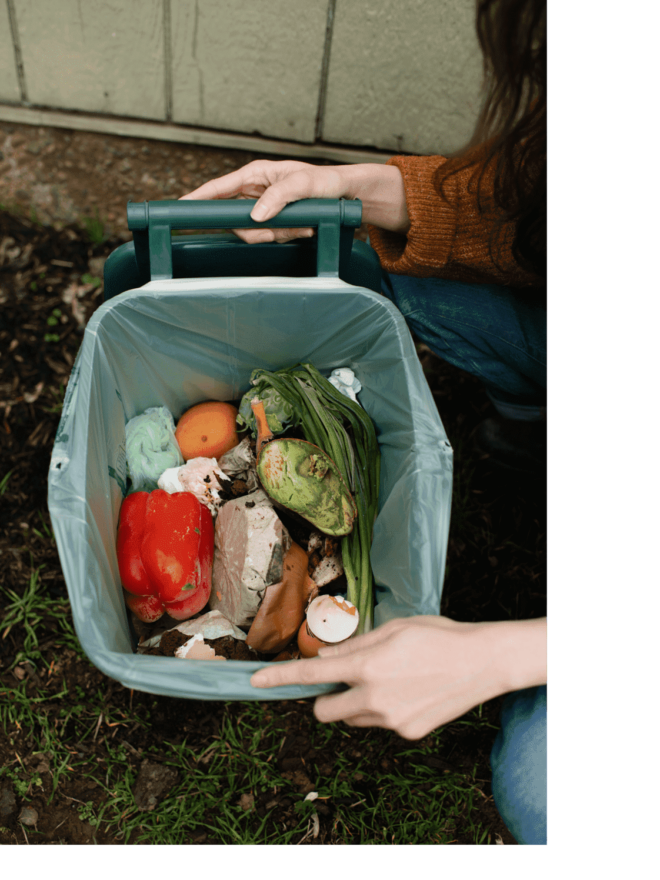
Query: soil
x,y
50,271
57,176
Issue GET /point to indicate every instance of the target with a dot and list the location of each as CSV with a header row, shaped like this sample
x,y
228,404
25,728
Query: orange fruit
x,y
207,430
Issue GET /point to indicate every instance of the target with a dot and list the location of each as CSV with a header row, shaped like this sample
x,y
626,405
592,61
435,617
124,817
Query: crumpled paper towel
x,y
345,380
151,448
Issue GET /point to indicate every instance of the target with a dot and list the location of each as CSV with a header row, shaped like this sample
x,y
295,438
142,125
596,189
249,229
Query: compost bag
x,y
176,342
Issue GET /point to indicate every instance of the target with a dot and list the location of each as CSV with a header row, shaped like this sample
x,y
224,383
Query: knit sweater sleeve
x,y
449,237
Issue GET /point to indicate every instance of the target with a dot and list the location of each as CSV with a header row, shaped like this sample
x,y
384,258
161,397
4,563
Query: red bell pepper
x,y
165,554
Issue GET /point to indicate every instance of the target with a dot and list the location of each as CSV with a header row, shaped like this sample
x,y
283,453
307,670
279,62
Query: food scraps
x,y
329,621
250,544
282,608
197,649
207,430
342,428
201,476
240,464
282,520
325,554
210,626
165,554
303,478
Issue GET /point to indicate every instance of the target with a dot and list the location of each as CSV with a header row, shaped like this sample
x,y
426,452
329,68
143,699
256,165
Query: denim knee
x,y
489,331
519,764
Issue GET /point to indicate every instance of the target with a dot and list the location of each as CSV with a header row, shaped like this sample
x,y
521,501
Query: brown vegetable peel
x,y
282,609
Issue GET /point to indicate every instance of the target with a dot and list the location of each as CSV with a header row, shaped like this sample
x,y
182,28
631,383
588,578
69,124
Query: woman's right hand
x,y
276,184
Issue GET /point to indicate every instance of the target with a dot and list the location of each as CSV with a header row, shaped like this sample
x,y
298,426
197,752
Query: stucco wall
x,y
386,74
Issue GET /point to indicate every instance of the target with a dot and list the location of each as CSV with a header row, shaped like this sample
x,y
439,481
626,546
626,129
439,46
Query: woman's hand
x,y
276,184
415,674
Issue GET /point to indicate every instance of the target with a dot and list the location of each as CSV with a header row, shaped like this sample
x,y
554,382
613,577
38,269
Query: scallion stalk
x,y
344,431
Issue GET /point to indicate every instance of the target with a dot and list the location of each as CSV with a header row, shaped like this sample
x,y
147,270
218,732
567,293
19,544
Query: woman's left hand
x,y
413,675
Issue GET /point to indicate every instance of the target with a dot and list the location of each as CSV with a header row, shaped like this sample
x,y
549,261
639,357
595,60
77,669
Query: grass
x,y
4,482
95,228
409,804
57,399
376,798
33,612
378,790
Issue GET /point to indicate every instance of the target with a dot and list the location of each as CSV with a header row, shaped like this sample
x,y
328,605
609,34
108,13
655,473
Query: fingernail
x,y
259,213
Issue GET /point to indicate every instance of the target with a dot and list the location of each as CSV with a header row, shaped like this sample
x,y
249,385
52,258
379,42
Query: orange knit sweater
x,y
448,238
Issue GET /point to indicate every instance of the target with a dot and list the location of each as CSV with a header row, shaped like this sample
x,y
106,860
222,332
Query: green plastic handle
x,y
152,224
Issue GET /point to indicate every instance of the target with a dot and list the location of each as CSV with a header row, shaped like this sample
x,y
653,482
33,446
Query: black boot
x,y
514,445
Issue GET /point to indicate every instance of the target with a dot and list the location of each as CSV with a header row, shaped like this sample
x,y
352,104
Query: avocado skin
x,y
303,478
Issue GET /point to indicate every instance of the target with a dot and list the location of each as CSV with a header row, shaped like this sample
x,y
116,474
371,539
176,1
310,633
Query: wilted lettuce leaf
x,y
279,412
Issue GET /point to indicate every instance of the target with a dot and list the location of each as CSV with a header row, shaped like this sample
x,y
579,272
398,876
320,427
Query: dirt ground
x,y
49,271
58,176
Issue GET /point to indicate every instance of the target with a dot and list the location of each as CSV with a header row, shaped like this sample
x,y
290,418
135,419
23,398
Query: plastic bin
x,y
177,341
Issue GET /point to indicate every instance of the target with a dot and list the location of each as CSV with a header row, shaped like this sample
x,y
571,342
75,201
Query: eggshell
x,y
197,649
308,644
332,618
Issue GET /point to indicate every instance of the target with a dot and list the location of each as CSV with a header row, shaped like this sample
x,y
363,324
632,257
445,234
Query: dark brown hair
x,y
511,127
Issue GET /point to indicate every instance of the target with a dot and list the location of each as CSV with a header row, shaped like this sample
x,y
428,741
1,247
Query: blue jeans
x,y
486,330
500,337
519,764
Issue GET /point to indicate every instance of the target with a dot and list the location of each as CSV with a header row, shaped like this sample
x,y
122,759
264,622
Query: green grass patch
x,y
95,228
37,615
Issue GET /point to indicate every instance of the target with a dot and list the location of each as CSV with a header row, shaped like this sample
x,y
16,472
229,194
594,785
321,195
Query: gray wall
x,y
395,75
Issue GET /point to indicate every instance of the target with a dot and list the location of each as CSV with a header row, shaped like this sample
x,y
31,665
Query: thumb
x,y
268,206
292,187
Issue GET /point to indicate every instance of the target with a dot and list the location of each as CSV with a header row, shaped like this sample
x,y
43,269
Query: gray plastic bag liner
x,y
175,343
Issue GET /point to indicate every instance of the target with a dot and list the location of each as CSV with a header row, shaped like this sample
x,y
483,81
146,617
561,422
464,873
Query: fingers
x,y
315,671
295,186
254,236
296,181
226,187
385,632
250,181
347,706
352,646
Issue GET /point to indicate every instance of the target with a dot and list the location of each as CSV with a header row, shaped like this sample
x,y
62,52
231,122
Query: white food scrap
x,y
239,463
201,476
330,566
250,544
197,649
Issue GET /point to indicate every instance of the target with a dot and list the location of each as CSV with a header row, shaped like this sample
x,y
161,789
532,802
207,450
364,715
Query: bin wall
x,y
362,73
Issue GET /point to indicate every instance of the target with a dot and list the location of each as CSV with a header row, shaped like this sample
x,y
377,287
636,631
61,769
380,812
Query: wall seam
x,y
18,55
167,51
325,69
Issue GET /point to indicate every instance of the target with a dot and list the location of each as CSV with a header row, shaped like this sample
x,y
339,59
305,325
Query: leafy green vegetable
x,y
279,412
343,430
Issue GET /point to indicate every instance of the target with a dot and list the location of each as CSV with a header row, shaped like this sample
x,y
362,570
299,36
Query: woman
x,y
462,243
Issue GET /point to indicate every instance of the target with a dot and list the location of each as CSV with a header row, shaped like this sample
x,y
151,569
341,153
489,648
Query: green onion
x,y
344,431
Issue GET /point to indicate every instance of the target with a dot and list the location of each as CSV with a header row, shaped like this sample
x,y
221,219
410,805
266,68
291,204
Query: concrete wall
x,y
384,74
